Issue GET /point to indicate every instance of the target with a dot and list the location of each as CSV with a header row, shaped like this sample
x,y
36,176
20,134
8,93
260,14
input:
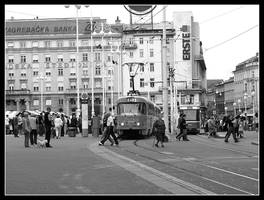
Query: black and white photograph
x,y
131,100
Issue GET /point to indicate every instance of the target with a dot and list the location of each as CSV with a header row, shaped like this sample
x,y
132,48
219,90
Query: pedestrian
x,y
41,126
48,125
58,125
159,131
26,128
230,126
183,129
211,127
53,131
65,125
20,124
108,123
15,126
256,121
80,124
62,127
33,133
178,126
206,129
95,125
7,124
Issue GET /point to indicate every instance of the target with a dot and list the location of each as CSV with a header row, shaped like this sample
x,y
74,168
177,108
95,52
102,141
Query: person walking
x,y
7,124
211,127
63,124
47,122
15,127
178,126
183,129
159,131
58,125
108,129
33,133
230,130
80,124
26,128
20,123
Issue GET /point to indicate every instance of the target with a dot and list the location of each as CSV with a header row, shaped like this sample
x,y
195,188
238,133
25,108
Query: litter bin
x,y
72,131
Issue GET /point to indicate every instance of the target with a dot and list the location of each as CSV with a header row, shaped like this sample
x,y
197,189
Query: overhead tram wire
x,y
225,13
28,14
150,17
206,49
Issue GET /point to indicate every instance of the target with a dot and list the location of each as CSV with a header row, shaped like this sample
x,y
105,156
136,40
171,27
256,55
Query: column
x,y
17,104
67,106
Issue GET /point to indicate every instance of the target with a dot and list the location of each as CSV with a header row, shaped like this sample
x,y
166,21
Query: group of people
x,y
46,123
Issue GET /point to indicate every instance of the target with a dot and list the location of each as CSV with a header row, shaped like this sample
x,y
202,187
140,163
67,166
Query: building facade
x,y
246,85
40,59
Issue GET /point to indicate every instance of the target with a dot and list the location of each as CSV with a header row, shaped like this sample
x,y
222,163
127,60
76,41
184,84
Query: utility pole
x,y
165,73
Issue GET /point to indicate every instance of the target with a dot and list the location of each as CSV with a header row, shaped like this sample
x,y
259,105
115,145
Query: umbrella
x,y
32,113
13,114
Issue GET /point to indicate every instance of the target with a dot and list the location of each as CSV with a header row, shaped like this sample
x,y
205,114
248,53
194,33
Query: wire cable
x,y
22,13
206,49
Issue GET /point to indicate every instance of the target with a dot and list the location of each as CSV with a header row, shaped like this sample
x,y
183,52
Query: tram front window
x,y
131,108
192,115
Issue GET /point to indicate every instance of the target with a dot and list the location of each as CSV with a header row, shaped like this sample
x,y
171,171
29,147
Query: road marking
x,y
188,159
161,179
255,169
168,153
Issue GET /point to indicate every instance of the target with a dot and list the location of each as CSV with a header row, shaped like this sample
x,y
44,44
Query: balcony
x,y
130,46
17,92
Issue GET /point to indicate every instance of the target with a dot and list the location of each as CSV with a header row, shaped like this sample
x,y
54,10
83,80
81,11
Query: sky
x,y
218,23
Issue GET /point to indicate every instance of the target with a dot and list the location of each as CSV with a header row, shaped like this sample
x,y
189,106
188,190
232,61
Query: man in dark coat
x,y
183,128
231,129
159,131
48,125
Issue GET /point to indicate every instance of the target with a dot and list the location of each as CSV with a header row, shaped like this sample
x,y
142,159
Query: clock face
x,y
140,9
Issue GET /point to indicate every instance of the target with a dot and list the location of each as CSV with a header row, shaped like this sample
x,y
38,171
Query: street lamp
x,y
245,101
225,110
239,101
234,104
253,94
77,58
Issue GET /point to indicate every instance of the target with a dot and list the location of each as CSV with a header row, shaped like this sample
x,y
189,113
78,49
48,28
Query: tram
x,y
136,114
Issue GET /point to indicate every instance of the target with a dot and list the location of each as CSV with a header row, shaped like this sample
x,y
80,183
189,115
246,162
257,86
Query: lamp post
x,y
225,110
239,101
253,94
245,101
41,78
77,57
234,104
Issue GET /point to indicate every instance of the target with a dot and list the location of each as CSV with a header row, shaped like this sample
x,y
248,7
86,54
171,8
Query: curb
x,y
255,143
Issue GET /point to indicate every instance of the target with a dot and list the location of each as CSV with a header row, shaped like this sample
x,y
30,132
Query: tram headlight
x,y
138,123
122,124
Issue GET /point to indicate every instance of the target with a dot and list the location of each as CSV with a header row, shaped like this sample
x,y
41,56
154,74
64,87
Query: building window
x,y
130,68
97,56
73,85
73,72
48,73
35,44
72,43
47,58
22,44
11,86
142,68
131,40
131,54
36,88
48,102
98,83
151,51
85,84
85,56
59,43
60,72
35,58
23,74
109,72
142,82
35,102
245,87
60,88
151,66
11,74
35,73
10,45
23,86
141,53
60,101
253,87
10,59
47,44
23,59
72,58
97,70
152,98
151,40
108,58
60,58
140,40
48,87
85,72
152,84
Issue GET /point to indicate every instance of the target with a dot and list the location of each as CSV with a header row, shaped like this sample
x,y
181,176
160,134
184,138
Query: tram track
x,y
194,173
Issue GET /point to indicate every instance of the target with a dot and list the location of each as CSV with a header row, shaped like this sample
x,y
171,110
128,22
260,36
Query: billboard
x,y
139,9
